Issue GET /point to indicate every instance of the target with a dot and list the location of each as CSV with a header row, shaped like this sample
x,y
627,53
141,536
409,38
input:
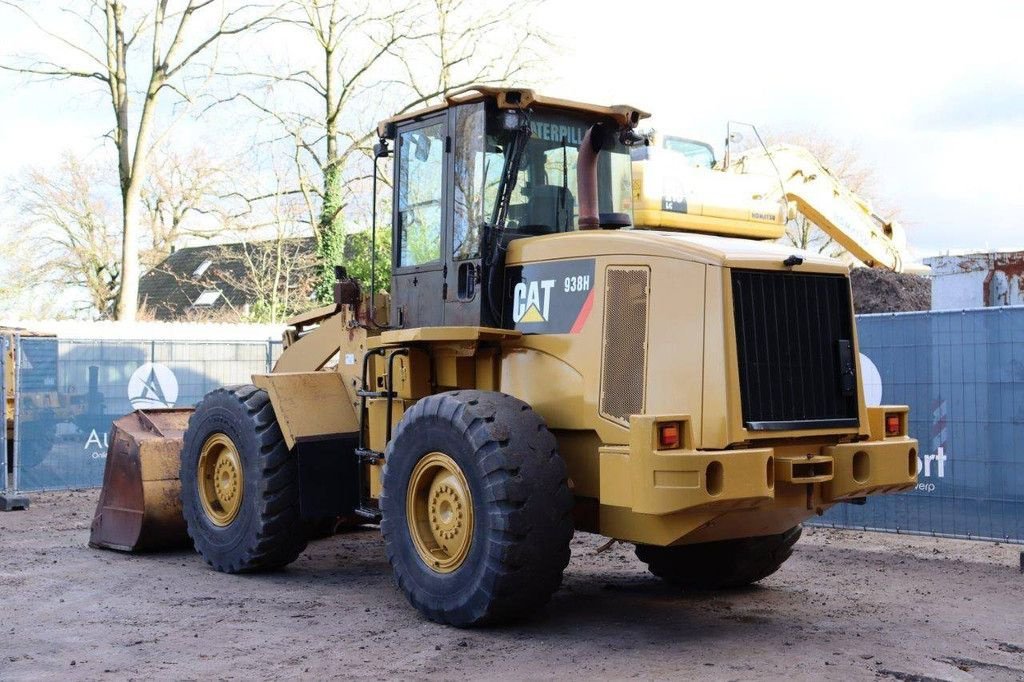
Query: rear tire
x,y
262,530
720,565
493,456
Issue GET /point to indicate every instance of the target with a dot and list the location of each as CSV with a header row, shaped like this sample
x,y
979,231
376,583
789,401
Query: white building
x,y
977,280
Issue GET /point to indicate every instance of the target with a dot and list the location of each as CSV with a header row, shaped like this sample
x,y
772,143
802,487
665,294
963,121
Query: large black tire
x,y
720,565
267,532
521,505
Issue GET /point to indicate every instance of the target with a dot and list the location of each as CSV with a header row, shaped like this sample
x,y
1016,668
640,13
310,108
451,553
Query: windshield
x,y
544,199
694,153
699,154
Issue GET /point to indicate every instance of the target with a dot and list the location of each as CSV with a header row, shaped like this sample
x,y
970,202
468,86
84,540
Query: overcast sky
x,y
932,96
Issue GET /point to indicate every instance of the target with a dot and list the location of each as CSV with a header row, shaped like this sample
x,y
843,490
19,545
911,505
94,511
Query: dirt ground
x,y
848,605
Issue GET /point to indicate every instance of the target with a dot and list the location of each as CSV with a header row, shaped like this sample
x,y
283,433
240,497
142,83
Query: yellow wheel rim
x,y
439,511
220,479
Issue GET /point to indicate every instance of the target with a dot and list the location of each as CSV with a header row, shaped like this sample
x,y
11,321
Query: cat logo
x,y
531,301
550,297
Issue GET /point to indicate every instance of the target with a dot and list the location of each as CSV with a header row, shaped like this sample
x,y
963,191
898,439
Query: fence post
x,y
270,355
10,500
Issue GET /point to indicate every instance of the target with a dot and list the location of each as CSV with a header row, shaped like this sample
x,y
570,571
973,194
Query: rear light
x,y
893,425
670,435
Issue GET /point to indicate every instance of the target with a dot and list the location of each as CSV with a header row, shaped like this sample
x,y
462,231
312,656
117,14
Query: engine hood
x,y
700,248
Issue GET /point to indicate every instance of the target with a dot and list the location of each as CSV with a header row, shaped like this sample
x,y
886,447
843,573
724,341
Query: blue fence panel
x,y
72,390
962,374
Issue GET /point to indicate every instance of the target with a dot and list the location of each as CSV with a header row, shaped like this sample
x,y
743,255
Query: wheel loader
x,y
542,366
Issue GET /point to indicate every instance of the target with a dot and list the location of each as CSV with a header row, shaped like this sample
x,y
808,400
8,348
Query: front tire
x,y
722,565
476,508
239,484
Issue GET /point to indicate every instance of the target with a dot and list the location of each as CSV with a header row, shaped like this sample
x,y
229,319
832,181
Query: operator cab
x,y
693,153
486,167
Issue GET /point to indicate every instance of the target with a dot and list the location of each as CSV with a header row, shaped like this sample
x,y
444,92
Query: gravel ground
x,y
848,605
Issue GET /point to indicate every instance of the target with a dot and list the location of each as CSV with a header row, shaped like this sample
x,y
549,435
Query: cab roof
x,y
516,98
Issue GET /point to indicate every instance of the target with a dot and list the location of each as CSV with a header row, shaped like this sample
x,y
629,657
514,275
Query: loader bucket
x,y
140,503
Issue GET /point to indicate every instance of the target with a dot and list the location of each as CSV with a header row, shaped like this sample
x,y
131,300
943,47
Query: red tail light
x,y
893,424
670,435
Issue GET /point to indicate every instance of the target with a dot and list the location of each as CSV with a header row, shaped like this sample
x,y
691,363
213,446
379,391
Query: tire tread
x,y
280,534
524,482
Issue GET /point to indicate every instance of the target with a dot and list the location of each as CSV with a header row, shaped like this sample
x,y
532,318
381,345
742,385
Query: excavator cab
x,y
694,153
474,175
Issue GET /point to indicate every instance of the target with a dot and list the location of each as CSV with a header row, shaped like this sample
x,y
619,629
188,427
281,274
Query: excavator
x,y
679,185
566,347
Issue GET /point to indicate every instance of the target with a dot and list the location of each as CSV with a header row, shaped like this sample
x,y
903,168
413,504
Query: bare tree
x,y
107,48
180,199
267,275
277,277
472,43
844,162
72,214
21,278
357,50
74,227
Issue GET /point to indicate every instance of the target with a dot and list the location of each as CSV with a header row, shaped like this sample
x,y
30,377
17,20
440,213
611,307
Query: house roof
x,y
208,275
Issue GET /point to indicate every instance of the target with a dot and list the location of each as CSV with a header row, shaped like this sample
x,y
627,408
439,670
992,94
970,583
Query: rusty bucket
x,y
140,504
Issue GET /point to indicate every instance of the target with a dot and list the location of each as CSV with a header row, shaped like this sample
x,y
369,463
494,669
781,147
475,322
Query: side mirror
x,y
631,138
381,149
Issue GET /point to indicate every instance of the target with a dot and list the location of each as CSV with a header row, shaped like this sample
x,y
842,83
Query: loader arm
x,y
828,203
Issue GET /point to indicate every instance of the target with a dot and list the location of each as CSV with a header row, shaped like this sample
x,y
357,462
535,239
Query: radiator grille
x,y
624,355
794,346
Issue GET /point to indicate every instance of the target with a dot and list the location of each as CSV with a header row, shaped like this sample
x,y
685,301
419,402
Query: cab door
x,y
421,219
475,172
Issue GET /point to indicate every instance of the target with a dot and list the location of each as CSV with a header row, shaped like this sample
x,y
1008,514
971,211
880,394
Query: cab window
x,y
420,190
478,165
698,154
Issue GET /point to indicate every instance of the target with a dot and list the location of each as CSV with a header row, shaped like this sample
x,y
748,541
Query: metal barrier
x,y
69,392
962,373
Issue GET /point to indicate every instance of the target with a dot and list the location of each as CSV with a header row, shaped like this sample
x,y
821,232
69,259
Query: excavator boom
x,y
828,203
756,194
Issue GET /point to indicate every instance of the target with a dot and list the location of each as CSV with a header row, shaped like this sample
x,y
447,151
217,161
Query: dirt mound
x,y
881,291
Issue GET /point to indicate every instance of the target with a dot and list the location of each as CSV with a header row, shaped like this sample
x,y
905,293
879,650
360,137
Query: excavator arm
x,y
755,195
828,203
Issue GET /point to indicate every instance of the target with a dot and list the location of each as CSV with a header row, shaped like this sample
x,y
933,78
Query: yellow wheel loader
x,y
542,366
